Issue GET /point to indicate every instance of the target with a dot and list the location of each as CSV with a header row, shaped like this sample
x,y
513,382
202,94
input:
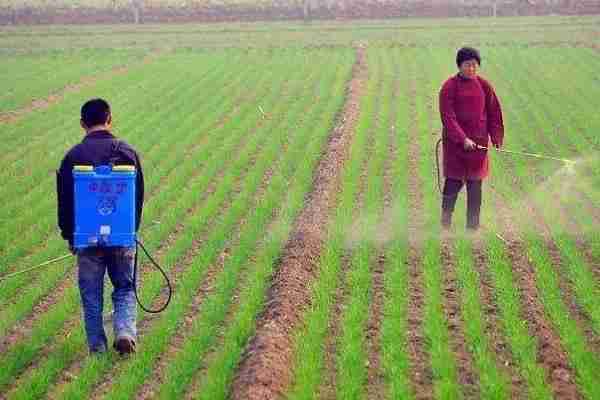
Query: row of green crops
x,y
351,357
394,338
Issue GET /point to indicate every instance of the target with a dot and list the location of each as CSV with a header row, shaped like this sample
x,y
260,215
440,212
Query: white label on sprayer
x,y
105,230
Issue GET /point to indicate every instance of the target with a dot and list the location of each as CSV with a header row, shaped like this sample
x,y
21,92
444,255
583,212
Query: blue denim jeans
x,y
93,263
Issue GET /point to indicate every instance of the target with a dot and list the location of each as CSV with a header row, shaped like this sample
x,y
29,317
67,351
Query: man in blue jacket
x,y
101,147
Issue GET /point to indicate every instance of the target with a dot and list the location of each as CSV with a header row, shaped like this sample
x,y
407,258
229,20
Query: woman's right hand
x,y
469,145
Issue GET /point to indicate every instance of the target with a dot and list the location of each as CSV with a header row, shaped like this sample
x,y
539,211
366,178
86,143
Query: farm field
x,y
291,193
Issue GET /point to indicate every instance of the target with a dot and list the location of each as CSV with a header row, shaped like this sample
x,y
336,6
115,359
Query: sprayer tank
x,y
104,206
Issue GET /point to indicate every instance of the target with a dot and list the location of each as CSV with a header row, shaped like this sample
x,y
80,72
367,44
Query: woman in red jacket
x,y
472,117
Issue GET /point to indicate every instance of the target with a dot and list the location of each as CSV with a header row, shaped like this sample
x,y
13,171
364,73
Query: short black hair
x,y
95,112
467,53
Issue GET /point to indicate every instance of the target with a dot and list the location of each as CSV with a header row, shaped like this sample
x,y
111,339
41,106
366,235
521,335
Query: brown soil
x,y
375,381
375,378
551,354
421,373
593,261
264,370
467,376
327,391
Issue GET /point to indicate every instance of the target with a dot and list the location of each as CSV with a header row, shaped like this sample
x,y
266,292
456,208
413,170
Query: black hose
x,y
135,265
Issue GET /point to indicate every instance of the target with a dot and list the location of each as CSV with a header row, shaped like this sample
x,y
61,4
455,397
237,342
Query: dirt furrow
x,y
421,373
593,260
375,381
467,375
264,370
375,386
327,390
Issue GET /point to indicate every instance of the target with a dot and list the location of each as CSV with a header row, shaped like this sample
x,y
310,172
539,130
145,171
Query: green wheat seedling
x,y
394,326
351,352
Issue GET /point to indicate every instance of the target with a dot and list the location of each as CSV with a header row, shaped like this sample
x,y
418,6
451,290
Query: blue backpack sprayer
x,y
105,206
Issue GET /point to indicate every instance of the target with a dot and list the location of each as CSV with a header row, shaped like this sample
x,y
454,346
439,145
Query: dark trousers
x,y
451,189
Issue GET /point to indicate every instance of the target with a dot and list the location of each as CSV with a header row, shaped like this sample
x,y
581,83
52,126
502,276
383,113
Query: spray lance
x,y
567,162
105,217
